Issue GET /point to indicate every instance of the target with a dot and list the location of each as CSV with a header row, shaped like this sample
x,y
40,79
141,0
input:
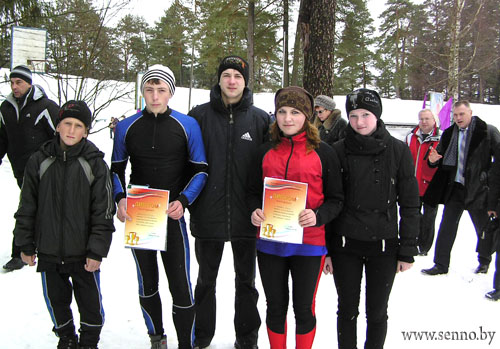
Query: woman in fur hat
x,y
328,121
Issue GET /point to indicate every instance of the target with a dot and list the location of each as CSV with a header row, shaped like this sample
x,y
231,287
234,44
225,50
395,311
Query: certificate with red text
x,y
282,203
148,228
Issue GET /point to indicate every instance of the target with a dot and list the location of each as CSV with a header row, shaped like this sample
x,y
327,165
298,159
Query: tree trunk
x,y
453,62
297,53
250,41
286,77
319,34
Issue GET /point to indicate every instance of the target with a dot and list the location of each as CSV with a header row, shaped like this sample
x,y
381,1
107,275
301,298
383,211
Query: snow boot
x,y
68,342
158,341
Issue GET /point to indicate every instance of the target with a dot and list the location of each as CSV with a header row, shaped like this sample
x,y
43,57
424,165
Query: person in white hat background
x,y
166,151
27,120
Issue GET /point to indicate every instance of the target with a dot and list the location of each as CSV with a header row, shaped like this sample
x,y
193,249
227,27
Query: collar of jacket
x,y
35,93
365,145
218,104
478,135
330,121
296,139
84,148
147,114
433,136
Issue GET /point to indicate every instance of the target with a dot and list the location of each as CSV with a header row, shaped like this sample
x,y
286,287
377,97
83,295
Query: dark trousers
x,y
347,273
58,289
448,228
496,277
427,227
305,272
176,264
16,250
246,315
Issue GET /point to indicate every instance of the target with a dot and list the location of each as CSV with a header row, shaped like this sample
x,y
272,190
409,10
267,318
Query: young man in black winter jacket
x,y
27,120
232,129
65,218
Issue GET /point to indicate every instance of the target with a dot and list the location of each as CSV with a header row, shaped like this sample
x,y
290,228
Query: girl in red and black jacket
x,y
295,153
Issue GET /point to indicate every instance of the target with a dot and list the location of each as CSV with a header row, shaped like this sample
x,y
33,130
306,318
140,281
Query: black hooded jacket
x,y
231,136
66,208
25,127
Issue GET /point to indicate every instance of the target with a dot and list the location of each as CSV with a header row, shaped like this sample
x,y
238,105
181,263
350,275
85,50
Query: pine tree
x,y
354,56
170,41
131,35
395,43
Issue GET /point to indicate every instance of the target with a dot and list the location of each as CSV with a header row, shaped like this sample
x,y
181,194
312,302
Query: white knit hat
x,y
324,101
159,72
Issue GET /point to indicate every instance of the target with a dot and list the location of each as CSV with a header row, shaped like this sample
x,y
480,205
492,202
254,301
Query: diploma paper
x,y
282,202
148,228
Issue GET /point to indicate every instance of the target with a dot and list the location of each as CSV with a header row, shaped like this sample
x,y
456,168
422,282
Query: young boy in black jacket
x,y
65,217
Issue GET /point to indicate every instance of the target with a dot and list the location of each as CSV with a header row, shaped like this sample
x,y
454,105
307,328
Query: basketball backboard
x,y
29,47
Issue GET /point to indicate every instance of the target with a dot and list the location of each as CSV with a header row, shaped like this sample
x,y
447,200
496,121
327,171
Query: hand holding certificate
x,y
283,202
147,209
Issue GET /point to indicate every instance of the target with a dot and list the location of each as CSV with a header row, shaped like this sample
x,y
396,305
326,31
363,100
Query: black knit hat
x,y
77,110
295,97
364,98
21,72
234,62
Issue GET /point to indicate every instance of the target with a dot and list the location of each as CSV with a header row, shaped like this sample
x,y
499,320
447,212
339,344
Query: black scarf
x,y
375,143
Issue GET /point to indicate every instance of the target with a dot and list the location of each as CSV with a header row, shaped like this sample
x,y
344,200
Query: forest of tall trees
x,y
449,46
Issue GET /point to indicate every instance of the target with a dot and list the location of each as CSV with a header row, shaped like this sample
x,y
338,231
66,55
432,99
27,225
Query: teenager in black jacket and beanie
x,y
378,176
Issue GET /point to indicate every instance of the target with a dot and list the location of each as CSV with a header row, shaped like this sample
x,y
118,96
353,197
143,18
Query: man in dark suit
x,y
463,158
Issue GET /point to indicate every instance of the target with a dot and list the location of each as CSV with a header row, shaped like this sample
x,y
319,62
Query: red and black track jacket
x,y
318,168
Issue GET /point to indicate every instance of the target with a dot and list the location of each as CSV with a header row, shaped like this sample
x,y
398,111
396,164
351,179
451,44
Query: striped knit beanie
x,y
159,72
21,72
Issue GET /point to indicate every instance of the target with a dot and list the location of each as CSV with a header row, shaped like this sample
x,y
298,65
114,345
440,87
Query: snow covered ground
x,y
452,308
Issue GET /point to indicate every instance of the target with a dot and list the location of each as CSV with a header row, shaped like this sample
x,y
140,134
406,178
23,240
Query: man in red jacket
x,y
420,140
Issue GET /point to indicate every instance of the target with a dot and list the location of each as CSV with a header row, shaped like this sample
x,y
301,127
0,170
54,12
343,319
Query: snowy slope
x,y
454,302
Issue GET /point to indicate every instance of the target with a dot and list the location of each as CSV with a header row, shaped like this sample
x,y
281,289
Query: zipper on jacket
x,y
289,157
418,157
154,132
229,166
61,243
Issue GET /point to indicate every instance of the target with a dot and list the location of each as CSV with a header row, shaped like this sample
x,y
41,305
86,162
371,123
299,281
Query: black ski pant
x,y
427,226
275,272
176,263
16,250
380,271
58,290
246,314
